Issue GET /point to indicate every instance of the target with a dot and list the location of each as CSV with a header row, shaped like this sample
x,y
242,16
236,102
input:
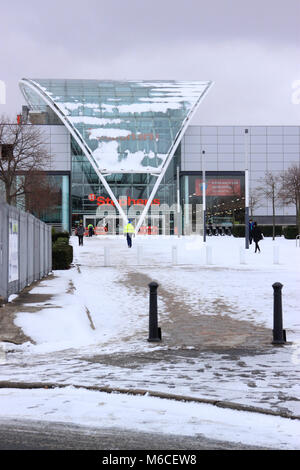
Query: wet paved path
x,y
214,355
35,435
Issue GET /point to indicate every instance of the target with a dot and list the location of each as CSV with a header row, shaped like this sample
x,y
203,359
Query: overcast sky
x,y
249,49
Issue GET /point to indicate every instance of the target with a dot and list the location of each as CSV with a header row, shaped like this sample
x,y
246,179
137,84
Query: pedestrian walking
x,y
257,236
250,230
91,230
129,232
80,233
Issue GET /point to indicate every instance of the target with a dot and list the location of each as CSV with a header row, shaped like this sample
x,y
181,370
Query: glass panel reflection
x,y
128,126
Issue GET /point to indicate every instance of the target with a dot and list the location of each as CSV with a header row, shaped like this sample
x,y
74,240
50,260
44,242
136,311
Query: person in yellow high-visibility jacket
x,y
91,230
129,232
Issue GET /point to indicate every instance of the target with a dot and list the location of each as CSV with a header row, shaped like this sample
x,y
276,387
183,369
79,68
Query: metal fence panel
x,y
41,246
36,249
46,251
49,249
30,244
4,250
13,250
25,250
23,255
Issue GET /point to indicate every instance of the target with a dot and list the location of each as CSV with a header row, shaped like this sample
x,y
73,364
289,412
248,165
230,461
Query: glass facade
x,y
225,196
125,135
88,192
58,212
124,126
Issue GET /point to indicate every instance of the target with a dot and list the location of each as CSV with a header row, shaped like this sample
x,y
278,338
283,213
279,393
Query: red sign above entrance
x,y
219,187
123,201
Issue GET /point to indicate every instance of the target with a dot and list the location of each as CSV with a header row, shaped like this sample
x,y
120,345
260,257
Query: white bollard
x,y
208,254
242,255
106,256
139,255
174,255
275,254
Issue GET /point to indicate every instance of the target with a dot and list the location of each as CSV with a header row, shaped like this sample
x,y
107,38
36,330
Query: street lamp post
x,y
246,189
204,195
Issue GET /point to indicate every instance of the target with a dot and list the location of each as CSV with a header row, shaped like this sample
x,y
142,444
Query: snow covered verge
x,y
96,311
150,414
102,311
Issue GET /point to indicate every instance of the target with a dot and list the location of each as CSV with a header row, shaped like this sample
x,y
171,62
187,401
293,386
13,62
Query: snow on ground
x,y
116,312
150,414
57,329
93,312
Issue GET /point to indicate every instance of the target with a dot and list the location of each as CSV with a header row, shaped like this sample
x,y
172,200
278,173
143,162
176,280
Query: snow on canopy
x,y
126,125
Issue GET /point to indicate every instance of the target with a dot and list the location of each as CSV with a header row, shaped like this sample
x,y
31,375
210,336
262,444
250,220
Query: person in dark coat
x,y
257,236
250,231
80,233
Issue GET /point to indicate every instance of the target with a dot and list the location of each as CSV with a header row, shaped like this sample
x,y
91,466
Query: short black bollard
x,y
154,330
279,335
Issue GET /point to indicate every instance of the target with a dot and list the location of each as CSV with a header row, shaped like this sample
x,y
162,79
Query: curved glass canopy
x,y
131,126
127,126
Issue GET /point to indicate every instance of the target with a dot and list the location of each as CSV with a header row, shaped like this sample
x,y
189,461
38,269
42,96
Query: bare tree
x,y
22,153
270,189
290,189
234,202
41,194
254,202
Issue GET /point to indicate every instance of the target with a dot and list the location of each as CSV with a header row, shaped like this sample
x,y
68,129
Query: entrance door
x,y
106,225
112,224
154,225
91,219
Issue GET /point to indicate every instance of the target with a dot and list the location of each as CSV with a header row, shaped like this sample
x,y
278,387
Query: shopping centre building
x,y
129,149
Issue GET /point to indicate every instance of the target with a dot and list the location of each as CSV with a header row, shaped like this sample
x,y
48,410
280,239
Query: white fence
x,y
25,250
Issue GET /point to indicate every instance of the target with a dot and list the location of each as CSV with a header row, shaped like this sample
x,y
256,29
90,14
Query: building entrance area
x,y
106,225
114,225
97,222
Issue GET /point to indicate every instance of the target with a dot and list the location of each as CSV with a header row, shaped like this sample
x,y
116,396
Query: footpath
x,y
87,328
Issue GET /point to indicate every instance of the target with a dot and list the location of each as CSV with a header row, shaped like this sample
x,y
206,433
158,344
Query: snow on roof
x,y
124,124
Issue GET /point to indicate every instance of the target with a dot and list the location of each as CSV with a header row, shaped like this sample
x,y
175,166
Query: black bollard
x,y
279,335
154,331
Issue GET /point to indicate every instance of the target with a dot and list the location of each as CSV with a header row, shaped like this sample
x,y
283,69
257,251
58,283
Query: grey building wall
x,y
57,140
271,148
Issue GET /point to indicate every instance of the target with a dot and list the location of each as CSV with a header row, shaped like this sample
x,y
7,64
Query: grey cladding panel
x,y
61,148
